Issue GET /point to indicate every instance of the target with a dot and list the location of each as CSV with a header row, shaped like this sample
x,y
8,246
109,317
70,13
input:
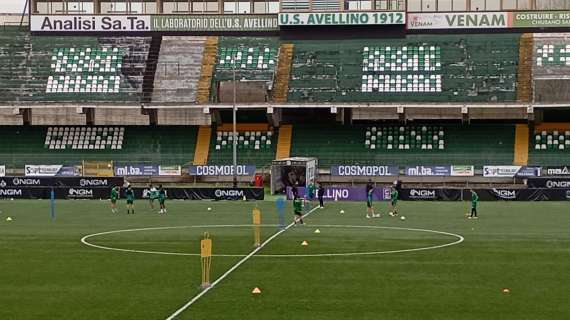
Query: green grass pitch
x,y
47,273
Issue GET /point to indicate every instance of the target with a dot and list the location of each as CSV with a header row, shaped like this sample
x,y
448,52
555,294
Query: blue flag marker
x,y
52,204
280,204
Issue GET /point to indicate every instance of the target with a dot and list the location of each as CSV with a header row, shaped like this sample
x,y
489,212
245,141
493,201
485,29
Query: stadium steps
x,y
524,77
208,66
283,73
178,71
150,70
202,145
284,142
521,144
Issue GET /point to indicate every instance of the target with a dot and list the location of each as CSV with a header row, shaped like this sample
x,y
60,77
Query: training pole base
x,y
205,285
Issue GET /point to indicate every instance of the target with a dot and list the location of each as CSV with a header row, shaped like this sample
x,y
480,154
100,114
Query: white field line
x,y
87,243
459,240
232,269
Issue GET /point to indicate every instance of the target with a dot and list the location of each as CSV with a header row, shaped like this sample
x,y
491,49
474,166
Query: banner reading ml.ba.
x,y
341,18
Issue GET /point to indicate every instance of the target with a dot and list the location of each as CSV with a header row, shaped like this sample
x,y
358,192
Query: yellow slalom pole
x,y
206,257
256,227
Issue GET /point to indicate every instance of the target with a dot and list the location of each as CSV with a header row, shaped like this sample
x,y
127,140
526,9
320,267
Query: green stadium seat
x,y
255,148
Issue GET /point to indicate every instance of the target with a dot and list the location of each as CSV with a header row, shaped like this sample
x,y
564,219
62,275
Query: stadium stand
x,y
419,68
551,66
256,145
70,68
550,144
338,144
171,145
178,69
252,59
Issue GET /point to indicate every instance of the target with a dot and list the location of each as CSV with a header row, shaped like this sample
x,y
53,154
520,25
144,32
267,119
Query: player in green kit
x,y
474,202
162,199
394,195
114,198
298,210
130,195
152,195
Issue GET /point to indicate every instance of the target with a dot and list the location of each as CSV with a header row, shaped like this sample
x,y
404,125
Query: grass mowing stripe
x,y
232,269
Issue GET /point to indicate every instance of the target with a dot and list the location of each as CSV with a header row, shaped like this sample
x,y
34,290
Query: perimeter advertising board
x,y
153,23
341,18
488,20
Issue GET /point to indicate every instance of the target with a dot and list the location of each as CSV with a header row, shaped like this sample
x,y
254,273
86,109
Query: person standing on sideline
x,y
114,198
162,199
370,213
152,195
394,196
320,195
310,194
474,202
130,195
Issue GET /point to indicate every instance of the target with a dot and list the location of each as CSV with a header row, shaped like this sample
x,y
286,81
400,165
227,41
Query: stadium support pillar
x,y
201,152
521,145
284,142
96,6
159,7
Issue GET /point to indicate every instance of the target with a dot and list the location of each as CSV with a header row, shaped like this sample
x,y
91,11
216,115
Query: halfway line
x,y
232,269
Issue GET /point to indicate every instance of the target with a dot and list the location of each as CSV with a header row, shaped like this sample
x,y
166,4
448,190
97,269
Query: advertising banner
x,y
430,194
2,171
136,170
341,18
462,171
147,23
549,183
104,193
500,171
61,182
199,22
364,171
89,23
540,19
526,171
556,171
511,171
428,171
458,20
169,171
347,193
221,170
50,171
487,20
